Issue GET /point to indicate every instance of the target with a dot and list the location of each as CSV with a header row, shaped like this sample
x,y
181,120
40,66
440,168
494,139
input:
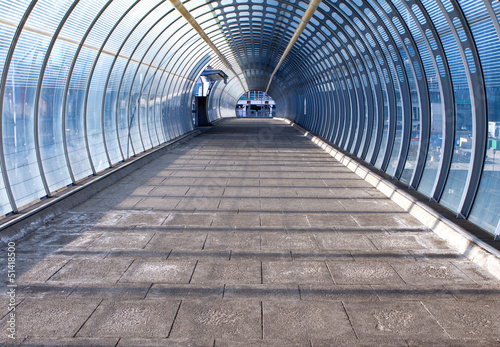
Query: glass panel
x,y
457,177
485,211
50,116
17,120
75,127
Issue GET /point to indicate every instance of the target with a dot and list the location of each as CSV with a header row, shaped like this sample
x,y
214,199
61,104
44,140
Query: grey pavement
x,y
247,235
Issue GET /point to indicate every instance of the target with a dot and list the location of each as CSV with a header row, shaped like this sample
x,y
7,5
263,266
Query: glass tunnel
x,y
409,87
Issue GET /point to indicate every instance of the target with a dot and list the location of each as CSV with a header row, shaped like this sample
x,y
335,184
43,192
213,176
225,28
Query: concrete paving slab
x,y
364,273
261,343
75,341
240,220
430,273
262,292
335,256
242,241
128,342
43,270
476,292
185,291
168,271
284,220
399,292
228,319
332,292
302,321
90,270
148,319
119,291
393,320
188,240
397,242
44,317
335,241
263,255
281,241
122,240
155,203
226,272
465,319
295,272
331,220
189,219
369,342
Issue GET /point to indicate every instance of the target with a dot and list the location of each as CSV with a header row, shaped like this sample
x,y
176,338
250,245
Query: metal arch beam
x,y
404,87
423,95
477,88
3,82
147,72
446,90
66,91
187,15
162,62
391,70
111,67
372,65
126,67
91,74
313,5
139,65
39,92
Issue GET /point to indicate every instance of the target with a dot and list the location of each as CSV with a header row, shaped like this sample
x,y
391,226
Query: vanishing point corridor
x,y
247,235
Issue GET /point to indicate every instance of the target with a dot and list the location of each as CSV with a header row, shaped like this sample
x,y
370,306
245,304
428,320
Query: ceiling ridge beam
x,y
313,5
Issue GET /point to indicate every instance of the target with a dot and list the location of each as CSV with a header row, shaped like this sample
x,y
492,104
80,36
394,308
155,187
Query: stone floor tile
x,y
261,343
185,291
228,319
283,220
467,319
395,242
134,342
338,241
331,292
368,342
302,321
188,240
393,319
336,256
119,291
281,241
331,221
430,273
49,317
393,293
476,292
363,273
227,272
168,271
122,240
91,270
241,241
189,219
295,272
145,318
73,341
262,292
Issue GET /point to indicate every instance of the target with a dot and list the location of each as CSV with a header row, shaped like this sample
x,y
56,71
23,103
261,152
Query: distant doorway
x,y
255,104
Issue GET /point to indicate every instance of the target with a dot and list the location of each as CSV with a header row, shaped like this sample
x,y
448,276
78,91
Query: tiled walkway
x,y
247,235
